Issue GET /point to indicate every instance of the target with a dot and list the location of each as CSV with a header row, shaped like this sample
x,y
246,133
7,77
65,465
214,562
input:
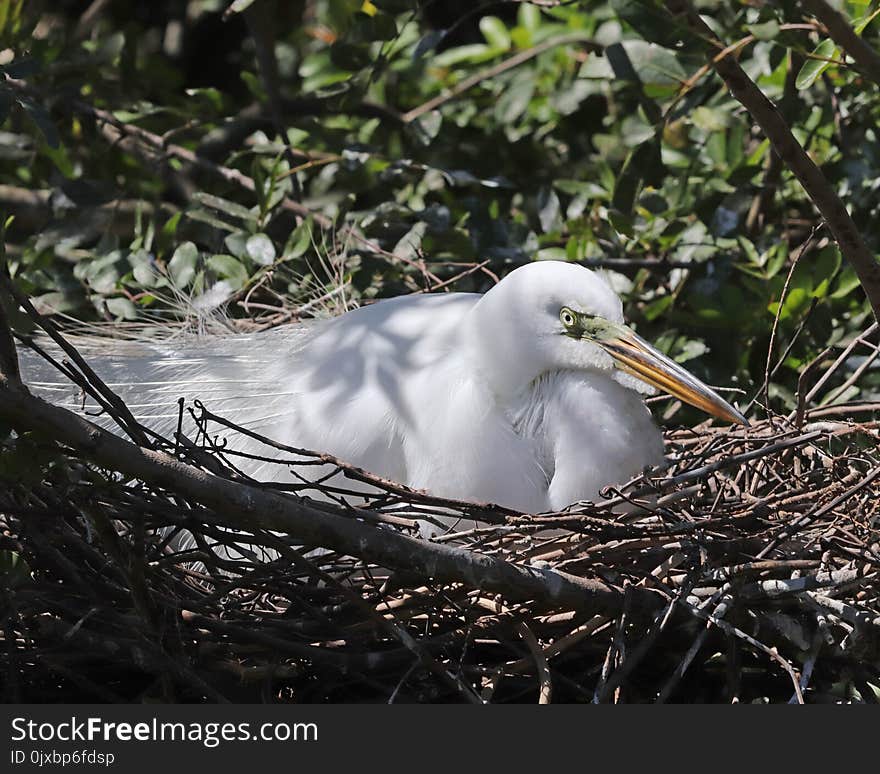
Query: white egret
x,y
530,396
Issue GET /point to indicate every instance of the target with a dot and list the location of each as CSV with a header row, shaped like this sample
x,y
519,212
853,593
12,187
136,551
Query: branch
x,y
9,368
792,153
866,58
247,507
8,357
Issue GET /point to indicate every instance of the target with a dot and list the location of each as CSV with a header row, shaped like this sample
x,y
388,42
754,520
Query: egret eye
x,y
567,318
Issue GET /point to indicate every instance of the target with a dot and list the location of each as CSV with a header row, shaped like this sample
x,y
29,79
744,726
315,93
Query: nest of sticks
x,y
745,571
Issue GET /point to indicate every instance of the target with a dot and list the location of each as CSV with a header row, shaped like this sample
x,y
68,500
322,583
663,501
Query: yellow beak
x,y
634,355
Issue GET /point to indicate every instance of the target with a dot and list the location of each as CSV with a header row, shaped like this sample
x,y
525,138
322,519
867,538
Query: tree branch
x,y
9,368
251,507
792,153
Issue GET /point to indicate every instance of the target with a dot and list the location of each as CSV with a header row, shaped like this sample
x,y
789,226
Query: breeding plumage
x,y
530,396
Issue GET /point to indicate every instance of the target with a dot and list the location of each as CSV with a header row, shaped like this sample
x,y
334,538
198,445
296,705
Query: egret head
x,y
553,315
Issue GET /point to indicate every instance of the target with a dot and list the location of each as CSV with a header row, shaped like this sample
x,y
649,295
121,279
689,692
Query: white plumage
x,y
515,397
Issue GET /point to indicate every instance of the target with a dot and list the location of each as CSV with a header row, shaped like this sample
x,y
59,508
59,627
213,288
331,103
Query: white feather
x,y
471,397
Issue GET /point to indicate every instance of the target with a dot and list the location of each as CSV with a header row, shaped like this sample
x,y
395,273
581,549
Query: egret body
x,y
530,396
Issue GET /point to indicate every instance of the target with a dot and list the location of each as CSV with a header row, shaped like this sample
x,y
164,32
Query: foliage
x,y
396,145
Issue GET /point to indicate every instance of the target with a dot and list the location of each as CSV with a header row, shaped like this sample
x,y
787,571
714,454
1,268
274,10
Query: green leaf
x,y
260,249
410,245
711,119
813,68
372,27
237,244
657,307
225,206
204,216
798,299
691,349
351,56
143,269
474,53
824,268
869,16
766,31
429,42
182,266
528,16
655,66
777,258
515,99
496,33
299,241
255,87
427,126
552,254
121,308
214,97
847,283
229,268
649,19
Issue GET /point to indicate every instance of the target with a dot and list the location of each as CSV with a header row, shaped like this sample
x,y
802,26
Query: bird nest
x,y
747,570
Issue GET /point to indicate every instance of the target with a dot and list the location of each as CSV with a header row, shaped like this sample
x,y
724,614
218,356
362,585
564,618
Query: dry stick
x,y
156,142
545,691
727,462
856,375
800,254
508,64
798,414
730,50
809,664
723,599
795,526
729,629
248,507
564,643
454,681
867,60
791,152
616,655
